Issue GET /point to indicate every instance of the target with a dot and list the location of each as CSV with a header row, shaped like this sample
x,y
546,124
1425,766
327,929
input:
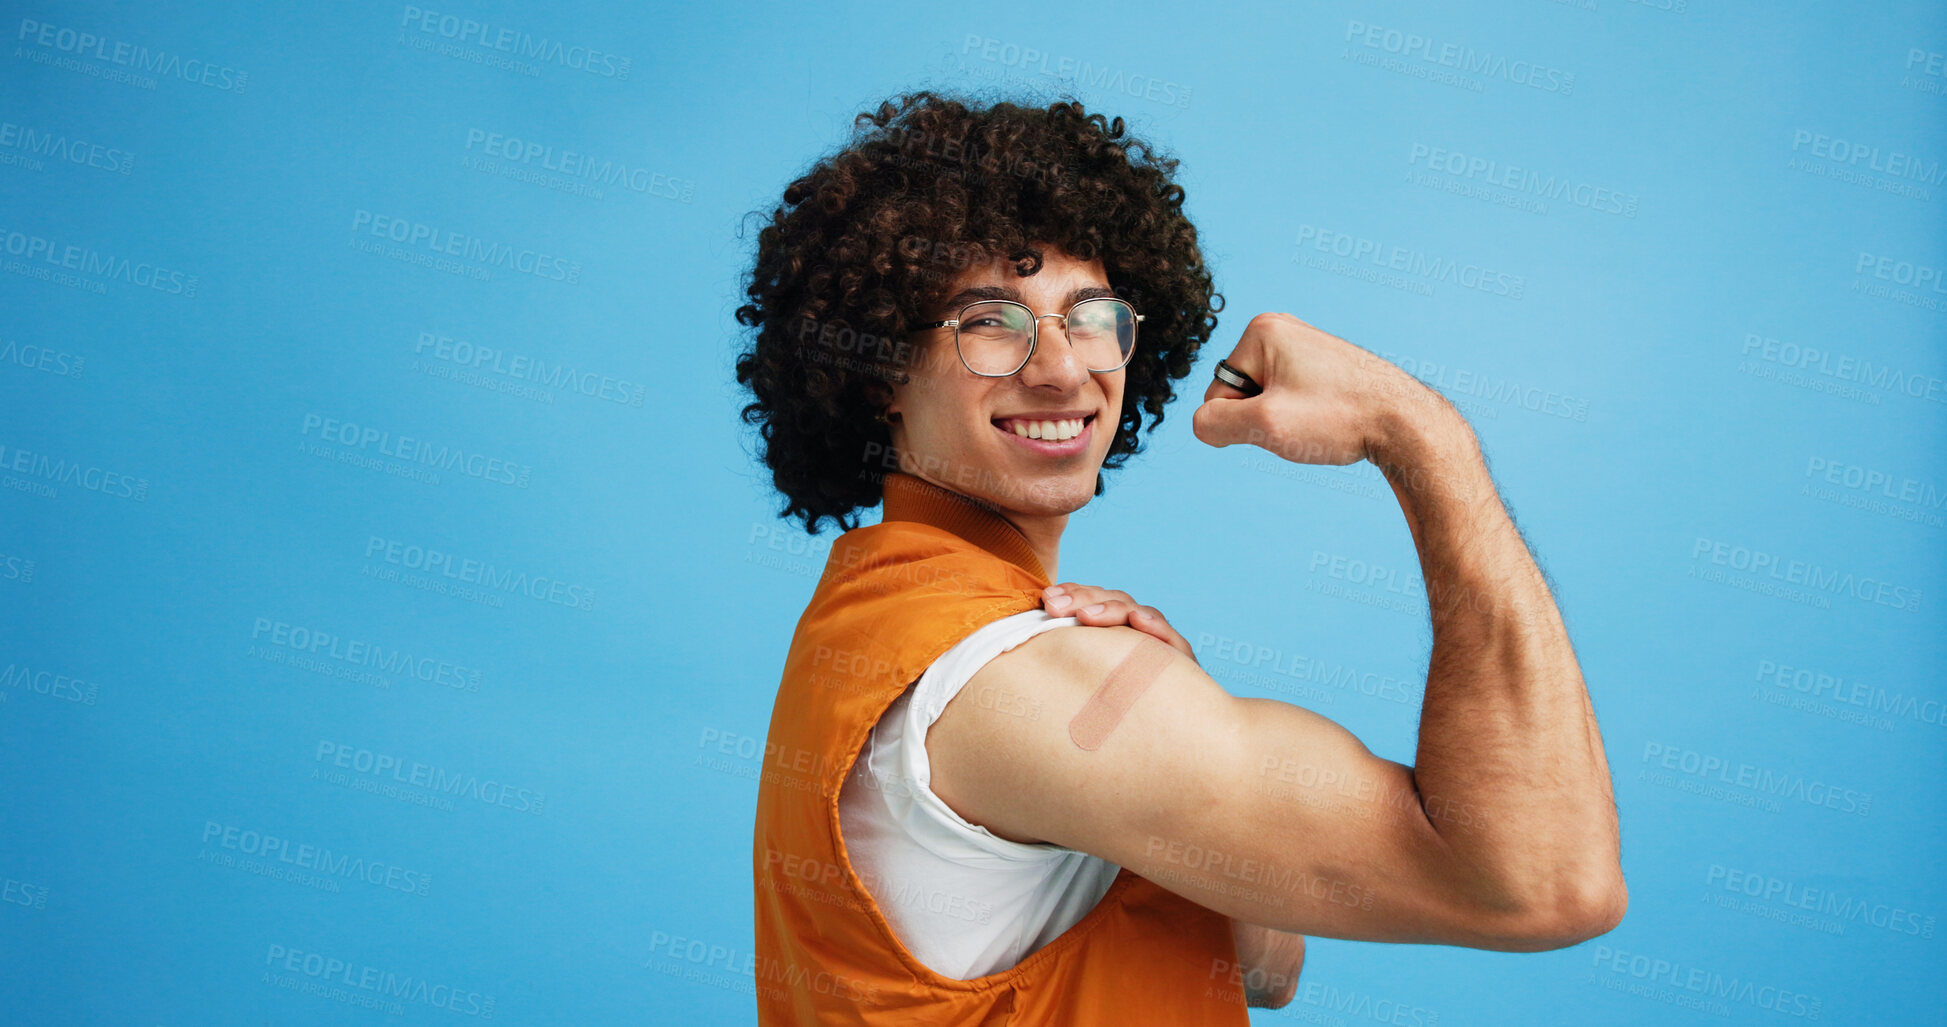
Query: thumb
x,y
1222,422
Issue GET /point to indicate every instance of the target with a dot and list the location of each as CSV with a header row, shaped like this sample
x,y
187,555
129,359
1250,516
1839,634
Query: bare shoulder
x,y
1028,743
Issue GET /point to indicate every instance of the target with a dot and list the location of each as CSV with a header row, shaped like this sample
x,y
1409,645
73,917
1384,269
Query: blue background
x,y
182,515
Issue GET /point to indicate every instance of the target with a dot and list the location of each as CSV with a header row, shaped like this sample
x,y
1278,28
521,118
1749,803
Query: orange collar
x,y
909,497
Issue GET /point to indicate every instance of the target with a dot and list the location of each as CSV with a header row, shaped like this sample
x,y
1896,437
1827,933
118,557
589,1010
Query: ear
x,y
879,394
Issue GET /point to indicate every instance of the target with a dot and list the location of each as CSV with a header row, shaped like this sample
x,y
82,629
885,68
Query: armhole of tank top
x,y
928,701
1119,882
849,790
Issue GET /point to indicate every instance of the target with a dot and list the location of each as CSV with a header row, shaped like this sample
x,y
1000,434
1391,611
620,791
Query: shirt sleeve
x,y
930,820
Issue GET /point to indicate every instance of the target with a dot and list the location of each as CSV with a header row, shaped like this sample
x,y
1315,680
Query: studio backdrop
x,y
392,604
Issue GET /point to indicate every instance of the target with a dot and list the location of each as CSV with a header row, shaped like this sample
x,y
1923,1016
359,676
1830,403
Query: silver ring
x,y
1236,379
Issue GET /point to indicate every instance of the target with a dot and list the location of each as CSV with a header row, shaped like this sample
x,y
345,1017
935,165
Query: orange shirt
x,y
893,598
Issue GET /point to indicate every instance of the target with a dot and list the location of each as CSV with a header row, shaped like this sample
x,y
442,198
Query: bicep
x,y
1263,811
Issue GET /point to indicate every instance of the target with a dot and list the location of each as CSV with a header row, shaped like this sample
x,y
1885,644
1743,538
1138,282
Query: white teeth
x,y
1048,431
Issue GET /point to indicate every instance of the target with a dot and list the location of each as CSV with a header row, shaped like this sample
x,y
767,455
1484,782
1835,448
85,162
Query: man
x,y
1157,847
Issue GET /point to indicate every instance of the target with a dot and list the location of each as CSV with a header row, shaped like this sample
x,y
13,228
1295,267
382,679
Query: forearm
x,y
1510,768
1268,963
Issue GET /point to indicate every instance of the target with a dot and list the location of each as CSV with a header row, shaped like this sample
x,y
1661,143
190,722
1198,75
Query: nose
x,y
1053,361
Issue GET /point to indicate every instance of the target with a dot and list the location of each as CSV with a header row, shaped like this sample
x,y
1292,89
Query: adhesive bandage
x,y
1120,690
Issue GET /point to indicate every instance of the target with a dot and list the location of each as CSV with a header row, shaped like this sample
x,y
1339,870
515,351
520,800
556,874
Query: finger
x,y
1089,595
1150,619
1102,607
1225,390
1223,420
1220,389
1105,612
1073,597
1110,595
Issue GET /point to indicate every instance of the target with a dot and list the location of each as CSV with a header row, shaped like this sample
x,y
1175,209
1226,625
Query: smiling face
x,y
1012,441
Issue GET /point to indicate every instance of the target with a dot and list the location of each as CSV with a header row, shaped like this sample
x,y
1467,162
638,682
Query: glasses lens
x,y
994,336
1103,332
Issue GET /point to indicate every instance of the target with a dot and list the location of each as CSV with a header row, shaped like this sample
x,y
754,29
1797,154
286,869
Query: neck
x,y
1044,536
1028,540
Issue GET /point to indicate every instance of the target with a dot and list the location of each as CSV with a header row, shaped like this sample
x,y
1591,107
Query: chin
x,y
1054,493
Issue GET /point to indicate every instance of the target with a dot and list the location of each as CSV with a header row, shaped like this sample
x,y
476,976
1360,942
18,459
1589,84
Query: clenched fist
x,y
1325,401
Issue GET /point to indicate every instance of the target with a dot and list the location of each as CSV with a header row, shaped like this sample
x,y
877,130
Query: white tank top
x,y
963,900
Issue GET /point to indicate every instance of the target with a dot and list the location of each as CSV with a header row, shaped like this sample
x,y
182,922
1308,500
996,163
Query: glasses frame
x,y
1034,333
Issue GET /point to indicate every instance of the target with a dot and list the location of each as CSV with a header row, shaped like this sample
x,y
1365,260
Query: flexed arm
x,y
1503,836
1506,727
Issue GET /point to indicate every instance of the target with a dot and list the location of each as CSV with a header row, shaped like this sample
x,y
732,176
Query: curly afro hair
x,y
870,238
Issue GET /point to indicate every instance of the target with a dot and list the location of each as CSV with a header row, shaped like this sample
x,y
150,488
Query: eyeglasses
x,y
995,338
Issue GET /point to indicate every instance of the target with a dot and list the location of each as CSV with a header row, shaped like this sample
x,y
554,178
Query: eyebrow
x,y
1005,292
